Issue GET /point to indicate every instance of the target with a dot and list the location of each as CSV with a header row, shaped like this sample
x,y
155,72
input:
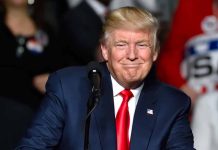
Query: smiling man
x,y
134,111
129,56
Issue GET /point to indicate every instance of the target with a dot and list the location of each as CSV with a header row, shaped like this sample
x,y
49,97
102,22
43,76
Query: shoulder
x,y
75,74
66,80
72,72
170,91
172,96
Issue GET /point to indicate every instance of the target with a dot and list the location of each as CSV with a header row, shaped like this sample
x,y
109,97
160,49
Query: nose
x,y
132,52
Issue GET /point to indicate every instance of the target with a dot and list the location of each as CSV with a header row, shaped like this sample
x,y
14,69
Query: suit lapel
x,y
104,115
144,118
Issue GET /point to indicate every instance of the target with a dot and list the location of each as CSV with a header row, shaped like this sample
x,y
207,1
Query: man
x,y
129,47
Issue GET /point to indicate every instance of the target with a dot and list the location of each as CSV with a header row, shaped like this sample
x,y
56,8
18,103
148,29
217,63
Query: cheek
x,y
118,54
146,56
114,56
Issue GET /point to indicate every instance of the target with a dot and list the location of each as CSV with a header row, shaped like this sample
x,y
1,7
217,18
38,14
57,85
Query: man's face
x,y
129,56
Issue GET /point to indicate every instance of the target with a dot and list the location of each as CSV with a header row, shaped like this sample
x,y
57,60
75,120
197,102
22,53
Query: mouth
x,y
132,65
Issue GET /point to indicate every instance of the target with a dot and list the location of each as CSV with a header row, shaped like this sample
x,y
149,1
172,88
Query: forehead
x,y
133,35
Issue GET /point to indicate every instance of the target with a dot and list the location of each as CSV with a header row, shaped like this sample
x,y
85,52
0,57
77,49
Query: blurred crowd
x,y
38,37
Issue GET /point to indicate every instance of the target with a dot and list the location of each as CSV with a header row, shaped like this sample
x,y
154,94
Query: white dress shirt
x,y
117,88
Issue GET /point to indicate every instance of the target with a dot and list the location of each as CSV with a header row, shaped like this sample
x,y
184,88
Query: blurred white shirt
x,y
205,122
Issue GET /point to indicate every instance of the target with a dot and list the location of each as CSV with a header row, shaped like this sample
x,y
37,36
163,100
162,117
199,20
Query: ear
x,y
104,51
155,56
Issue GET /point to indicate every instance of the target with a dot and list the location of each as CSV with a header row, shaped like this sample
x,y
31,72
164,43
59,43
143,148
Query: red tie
x,y
122,121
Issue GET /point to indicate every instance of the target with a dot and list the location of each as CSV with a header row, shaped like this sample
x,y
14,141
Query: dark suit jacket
x,y
80,32
60,120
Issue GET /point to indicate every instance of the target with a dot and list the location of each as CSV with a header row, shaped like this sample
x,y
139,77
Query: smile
x,y
131,65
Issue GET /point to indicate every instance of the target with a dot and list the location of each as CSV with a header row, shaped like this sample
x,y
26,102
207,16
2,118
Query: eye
x,y
121,45
143,45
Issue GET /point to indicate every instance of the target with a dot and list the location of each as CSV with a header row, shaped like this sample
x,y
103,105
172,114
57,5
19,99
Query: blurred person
x,y
54,11
134,111
80,31
73,3
28,51
205,123
189,57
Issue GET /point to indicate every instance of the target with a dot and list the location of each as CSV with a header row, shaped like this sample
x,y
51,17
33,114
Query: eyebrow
x,y
124,41
120,41
141,41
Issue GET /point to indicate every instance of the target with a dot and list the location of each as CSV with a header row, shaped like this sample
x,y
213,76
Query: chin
x,y
133,76
132,80
133,84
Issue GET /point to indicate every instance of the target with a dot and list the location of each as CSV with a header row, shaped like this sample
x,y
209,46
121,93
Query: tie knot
x,y
126,94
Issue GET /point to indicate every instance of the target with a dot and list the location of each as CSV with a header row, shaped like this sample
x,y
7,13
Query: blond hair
x,y
131,18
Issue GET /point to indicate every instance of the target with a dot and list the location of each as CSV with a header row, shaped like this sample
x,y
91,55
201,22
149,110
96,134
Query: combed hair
x,y
131,18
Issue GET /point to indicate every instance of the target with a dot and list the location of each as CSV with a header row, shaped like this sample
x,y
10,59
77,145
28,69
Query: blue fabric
x,y
212,46
60,121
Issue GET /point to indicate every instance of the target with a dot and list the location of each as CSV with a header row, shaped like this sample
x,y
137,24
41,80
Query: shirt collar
x,y
117,88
